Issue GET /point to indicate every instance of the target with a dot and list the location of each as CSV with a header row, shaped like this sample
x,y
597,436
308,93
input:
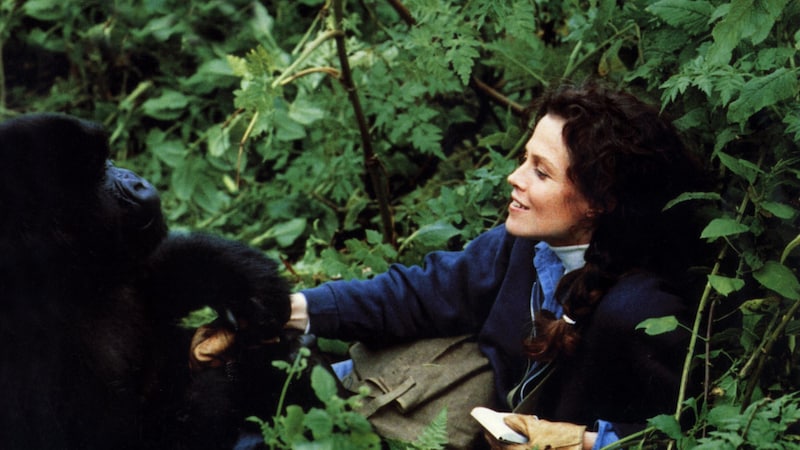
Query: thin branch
x,y
403,12
498,97
242,142
372,164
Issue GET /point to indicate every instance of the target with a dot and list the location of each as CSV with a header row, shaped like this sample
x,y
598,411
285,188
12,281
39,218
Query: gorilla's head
x,y
62,199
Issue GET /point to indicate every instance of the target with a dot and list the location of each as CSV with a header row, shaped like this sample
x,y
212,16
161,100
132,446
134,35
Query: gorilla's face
x,y
133,207
59,191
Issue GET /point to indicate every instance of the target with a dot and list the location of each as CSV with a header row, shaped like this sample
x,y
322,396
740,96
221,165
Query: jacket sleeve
x,y
451,293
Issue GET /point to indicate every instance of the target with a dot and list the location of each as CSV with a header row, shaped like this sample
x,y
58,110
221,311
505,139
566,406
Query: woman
x,y
556,294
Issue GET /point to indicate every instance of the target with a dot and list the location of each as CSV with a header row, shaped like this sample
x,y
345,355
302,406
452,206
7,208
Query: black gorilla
x,y
91,291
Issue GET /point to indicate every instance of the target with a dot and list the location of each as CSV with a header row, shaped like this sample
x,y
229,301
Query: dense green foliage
x,y
343,137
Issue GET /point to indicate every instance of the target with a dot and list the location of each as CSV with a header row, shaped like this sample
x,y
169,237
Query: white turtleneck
x,y
571,256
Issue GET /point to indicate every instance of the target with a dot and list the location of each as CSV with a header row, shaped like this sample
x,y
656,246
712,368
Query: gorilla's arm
x,y
190,271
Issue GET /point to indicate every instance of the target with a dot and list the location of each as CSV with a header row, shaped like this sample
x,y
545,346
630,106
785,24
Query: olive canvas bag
x,y
410,384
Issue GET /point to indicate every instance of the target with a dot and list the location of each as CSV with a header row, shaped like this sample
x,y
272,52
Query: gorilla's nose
x,y
132,188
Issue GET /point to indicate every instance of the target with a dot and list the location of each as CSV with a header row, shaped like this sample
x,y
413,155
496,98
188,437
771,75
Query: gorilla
x,y
92,287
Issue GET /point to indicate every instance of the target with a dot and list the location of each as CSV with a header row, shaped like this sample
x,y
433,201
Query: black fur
x,y
91,290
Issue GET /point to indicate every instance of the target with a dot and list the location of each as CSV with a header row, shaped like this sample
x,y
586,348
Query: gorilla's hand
x,y
245,288
210,347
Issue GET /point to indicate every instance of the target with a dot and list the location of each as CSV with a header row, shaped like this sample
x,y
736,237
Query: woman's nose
x,y
514,178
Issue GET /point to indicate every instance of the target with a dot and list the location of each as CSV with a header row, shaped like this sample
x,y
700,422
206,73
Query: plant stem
x,y
338,33
574,62
687,363
704,301
294,371
2,79
326,70
699,317
242,142
628,439
764,352
372,164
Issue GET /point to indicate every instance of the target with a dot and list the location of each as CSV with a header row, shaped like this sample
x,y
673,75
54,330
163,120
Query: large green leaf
x,y
761,92
725,285
169,106
658,325
742,19
323,383
690,15
779,278
723,227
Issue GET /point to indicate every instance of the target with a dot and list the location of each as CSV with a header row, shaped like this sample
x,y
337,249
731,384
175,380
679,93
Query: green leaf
x,y
160,28
690,15
199,317
779,210
433,235
169,106
293,424
761,92
208,196
779,278
184,179
47,10
741,167
319,422
667,424
305,112
219,140
286,128
284,233
725,285
287,232
324,384
658,325
434,436
171,152
692,196
723,227
742,19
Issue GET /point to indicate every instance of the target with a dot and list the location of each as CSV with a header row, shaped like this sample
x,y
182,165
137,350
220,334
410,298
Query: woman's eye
x,y
540,174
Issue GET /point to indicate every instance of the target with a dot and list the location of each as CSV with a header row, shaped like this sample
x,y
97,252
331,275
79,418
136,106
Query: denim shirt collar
x,y
549,270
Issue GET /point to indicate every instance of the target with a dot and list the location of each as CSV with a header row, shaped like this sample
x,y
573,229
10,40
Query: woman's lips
x,y
517,205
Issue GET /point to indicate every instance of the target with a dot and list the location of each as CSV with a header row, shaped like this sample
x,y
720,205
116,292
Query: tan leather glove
x,y
542,434
209,346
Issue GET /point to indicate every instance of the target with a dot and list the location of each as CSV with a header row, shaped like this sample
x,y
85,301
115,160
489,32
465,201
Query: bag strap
x,y
373,405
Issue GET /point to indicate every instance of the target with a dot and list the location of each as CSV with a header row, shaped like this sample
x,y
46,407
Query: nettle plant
x,y
344,136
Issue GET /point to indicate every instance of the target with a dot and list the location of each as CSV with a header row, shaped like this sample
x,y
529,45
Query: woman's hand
x,y
545,434
298,317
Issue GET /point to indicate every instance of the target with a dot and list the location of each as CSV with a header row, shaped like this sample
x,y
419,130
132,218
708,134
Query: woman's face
x,y
545,204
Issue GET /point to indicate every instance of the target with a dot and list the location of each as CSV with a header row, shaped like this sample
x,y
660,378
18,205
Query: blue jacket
x,y
618,374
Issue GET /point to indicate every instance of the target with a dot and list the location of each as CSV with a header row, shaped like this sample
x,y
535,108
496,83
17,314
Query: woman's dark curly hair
x,y
628,162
